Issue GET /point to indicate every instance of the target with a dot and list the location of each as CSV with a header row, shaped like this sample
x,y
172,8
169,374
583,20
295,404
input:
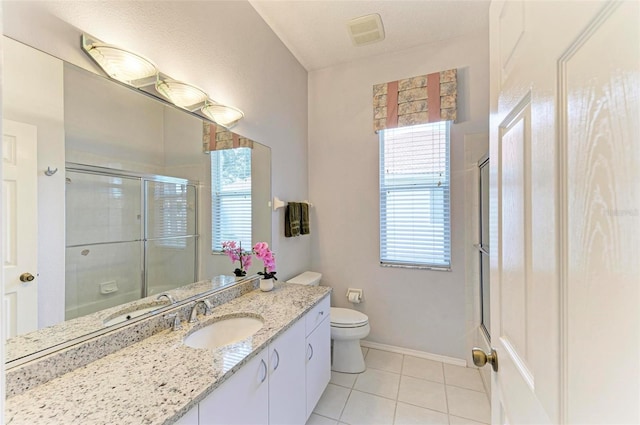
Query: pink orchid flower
x,y
262,251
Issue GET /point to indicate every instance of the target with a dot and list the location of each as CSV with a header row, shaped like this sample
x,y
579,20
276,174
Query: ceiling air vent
x,y
366,29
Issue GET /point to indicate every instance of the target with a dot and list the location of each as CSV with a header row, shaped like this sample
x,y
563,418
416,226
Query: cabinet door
x,y
318,355
242,399
287,401
190,418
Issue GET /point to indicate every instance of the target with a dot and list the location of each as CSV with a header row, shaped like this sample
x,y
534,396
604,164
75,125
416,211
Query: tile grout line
x,y
428,380
446,394
364,356
465,388
346,402
326,417
458,415
431,380
395,406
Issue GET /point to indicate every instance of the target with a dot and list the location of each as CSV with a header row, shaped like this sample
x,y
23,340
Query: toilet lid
x,y
347,317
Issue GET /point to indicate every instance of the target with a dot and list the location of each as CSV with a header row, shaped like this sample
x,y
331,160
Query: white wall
x,y
223,47
416,309
109,125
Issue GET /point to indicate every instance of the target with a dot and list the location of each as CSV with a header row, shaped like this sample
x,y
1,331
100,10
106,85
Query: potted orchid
x,y
235,252
262,252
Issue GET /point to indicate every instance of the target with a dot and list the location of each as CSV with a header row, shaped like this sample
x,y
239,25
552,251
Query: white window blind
x,y
231,197
168,213
415,227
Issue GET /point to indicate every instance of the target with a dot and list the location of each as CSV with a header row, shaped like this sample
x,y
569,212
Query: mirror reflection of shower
x,y
128,236
483,247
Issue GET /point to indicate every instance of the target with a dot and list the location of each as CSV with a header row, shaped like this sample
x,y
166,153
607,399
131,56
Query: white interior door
x,y
565,211
19,227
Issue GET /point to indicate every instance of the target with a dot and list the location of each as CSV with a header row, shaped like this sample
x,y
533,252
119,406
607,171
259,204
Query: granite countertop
x,y
159,379
32,342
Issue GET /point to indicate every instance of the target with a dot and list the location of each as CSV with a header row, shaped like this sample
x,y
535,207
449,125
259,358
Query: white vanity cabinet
x,y
318,353
191,418
287,384
241,399
279,386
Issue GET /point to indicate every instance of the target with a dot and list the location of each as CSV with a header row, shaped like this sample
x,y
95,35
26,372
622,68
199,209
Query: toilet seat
x,y
347,318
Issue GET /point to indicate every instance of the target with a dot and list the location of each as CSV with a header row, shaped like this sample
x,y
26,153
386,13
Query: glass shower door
x,y
104,242
171,239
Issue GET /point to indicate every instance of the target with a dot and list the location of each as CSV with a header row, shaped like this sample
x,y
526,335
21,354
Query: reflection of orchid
x,y
235,253
262,252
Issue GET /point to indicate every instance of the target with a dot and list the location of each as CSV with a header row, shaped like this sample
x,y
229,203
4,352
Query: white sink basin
x,y
223,332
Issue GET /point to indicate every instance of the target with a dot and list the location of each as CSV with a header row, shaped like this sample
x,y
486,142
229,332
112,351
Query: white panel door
x,y
565,211
20,227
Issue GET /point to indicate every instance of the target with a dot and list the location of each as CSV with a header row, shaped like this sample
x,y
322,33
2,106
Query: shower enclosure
x,y
128,236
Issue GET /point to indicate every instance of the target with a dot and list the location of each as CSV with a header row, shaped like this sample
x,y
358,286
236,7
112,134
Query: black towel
x,y
305,227
292,220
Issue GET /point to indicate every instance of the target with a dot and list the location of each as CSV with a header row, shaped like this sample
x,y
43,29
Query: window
x,y
231,197
168,213
415,227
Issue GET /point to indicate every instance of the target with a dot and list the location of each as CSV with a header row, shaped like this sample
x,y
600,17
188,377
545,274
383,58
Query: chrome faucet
x,y
208,309
169,297
175,321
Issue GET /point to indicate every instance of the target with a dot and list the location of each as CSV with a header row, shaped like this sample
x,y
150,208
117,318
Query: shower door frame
x,y
482,249
145,177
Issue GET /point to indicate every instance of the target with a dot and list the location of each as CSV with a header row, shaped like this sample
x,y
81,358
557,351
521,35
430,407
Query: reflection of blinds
x,y
231,197
414,196
169,213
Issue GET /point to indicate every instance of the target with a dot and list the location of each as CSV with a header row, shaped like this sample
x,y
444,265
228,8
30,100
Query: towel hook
x,y
49,172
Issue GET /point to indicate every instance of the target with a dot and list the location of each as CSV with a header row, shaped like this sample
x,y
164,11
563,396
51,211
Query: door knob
x,y
480,358
26,277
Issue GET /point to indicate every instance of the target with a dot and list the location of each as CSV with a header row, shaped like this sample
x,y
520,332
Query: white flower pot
x,y
266,285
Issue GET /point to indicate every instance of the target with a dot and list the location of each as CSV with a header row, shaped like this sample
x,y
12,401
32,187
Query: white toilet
x,y
348,327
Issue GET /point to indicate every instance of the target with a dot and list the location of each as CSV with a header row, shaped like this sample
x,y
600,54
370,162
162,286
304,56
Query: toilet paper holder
x,y
354,295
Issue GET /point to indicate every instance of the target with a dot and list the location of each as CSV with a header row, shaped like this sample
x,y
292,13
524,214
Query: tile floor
x,y
397,389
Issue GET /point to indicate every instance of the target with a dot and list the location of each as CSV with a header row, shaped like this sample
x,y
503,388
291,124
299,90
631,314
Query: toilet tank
x,y
306,278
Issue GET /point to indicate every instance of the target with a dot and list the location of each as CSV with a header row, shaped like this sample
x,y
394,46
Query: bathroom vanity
x,y
276,375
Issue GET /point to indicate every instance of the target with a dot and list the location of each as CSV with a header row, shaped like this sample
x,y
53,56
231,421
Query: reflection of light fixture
x,y
139,72
179,93
226,116
118,63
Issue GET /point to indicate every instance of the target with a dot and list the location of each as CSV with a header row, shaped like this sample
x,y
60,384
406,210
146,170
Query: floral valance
x,y
417,100
216,137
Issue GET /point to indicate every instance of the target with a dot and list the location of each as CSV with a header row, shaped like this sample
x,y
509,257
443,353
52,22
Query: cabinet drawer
x,y
317,314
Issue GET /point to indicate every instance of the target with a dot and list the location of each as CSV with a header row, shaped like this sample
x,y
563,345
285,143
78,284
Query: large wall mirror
x,y
121,205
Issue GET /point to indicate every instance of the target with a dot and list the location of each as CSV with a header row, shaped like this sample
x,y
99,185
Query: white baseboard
x,y
414,353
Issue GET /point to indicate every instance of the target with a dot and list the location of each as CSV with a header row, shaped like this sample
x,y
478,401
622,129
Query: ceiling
x,y
316,30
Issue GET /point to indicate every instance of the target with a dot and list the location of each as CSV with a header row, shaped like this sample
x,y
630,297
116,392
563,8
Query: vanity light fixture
x,y
181,94
139,72
118,63
226,116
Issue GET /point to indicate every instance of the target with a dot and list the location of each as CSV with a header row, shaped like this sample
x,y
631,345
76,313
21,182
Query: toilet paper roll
x,y
354,297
